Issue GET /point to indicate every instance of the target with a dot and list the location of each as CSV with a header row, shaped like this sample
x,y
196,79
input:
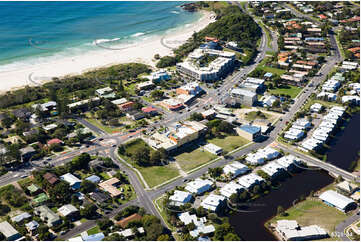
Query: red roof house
x,y
55,141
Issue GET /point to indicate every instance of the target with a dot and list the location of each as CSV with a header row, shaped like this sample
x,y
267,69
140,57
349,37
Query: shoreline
x,y
140,52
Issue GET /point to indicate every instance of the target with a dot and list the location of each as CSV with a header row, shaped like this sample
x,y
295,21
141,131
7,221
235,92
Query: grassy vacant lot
x,y
311,212
293,91
229,143
250,116
105,128
153,175
192,158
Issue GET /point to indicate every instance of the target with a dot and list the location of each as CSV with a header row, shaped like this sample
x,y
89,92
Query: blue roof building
x,y
249,132
268,75
93,178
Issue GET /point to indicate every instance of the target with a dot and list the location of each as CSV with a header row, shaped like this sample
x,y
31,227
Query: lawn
x,y
129,193
229,143
105,128
290,90
324,103
273,70
155,175
191,159
250,116
93,230
313,211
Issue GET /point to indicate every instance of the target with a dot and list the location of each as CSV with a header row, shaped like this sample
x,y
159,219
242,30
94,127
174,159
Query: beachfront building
x,y
73,181
235,169
244,96
105,92
230,188
214,149
199,186
180,198
213,202
193,67
337,200
83,104
158,76
248,181
289,230
249,132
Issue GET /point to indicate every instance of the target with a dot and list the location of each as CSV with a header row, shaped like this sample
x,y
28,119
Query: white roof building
x,y
214,149
330,96
290,230
336,199
249,180
302,124
120,101
262,155
316,107
230,188
352,99
180,197
20,217
269,100
235,169
294,134
8,231
50,127
199,186
67,210
73,181
272,169
213,202
186,218
287,161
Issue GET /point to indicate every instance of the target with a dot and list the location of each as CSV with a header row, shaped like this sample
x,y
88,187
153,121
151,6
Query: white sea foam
x,y
138,34
175,12
99,41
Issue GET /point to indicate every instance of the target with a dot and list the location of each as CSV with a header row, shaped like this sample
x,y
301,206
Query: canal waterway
x,y
249,225
344,147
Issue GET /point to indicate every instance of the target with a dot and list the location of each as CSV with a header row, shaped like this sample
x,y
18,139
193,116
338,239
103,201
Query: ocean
x,y
35,32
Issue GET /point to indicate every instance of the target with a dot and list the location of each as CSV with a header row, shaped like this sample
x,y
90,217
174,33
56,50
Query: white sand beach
x,y
141,52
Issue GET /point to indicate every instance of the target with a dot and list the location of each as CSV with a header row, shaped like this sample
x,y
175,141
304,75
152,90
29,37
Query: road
x,y
340,228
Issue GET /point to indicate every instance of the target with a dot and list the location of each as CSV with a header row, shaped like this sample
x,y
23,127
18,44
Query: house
x,y
99,197
102,92
235,169
124,222
347,187
41,198
337,200
119,101
145,85
180,198
50,178
199,223
316,107
269,100
230,188
273,169
68,211
150,110
289,230
126,106
9,232
110,186
135,115
248,181
94,237
209,114
288,161
294,134
33,189
214,149
27,152
244,96
249,132
73,181
93,178
20,217
31,226
158,76
47,215
50,127
45,106
55,141
192,88
199,186
213,202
